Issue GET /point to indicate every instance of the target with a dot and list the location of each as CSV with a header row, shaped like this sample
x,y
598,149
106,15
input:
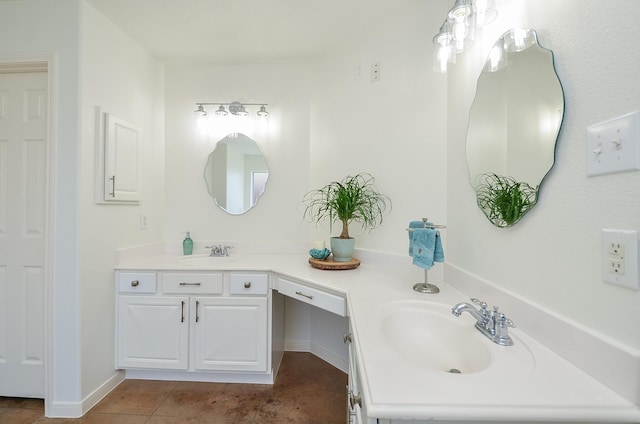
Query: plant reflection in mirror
x,y
504,200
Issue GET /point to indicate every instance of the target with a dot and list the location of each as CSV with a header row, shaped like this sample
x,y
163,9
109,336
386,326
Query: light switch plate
x,y
620,258
614,145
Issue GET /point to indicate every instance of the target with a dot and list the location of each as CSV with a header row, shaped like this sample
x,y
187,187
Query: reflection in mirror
x,y
236,173
513,126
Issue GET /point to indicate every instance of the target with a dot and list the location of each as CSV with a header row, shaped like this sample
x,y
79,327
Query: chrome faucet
x,y
492,324
219,250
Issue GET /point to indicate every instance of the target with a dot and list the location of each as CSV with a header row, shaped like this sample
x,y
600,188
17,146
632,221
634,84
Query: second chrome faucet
x,y
493,324
219,250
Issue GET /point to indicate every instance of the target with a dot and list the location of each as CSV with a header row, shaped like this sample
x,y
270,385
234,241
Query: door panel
x,y
23,170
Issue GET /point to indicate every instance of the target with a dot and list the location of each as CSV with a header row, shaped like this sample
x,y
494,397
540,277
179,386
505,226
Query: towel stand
x,y
427,287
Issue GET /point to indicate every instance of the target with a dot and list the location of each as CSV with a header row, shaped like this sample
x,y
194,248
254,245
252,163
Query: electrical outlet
x,y
376,72
620,258
143,222
616,266
616,248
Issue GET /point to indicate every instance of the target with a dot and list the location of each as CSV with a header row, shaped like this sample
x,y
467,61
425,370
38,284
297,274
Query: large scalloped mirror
x,y
236,173
513,126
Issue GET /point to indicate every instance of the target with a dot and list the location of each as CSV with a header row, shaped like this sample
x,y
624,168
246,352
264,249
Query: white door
x,y
231,334
23,173
153,332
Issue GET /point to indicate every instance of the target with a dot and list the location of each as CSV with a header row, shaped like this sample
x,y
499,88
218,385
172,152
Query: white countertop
x,y
546,389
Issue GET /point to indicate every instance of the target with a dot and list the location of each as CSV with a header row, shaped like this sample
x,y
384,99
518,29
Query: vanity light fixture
x,y
458,30
221,111
460,19
263,112
234,108
444,51
200,112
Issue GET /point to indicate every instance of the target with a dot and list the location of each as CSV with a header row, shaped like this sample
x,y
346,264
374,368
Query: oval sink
x,y
430,337
205,260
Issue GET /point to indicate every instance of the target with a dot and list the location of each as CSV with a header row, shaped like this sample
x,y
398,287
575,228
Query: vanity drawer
x,y
249,283
186,282
327,301
137,282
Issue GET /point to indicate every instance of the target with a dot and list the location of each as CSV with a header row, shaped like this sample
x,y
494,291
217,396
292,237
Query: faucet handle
x,y
483,306
479,302
504,321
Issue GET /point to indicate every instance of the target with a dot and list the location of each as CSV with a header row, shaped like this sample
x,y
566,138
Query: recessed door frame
x,y
44,63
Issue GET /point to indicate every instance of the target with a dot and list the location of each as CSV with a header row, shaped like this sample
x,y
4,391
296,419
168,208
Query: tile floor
x,y
307,390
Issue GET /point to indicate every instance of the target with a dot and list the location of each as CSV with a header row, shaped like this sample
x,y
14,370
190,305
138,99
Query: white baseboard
x,y
209,377
326,355
78,409
341,363
297,346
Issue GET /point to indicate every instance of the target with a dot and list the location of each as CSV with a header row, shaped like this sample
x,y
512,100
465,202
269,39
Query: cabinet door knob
x,y
135,283
355,399
247,284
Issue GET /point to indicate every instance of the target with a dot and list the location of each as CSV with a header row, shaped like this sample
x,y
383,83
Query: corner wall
x,y
552,258
122,78
394,128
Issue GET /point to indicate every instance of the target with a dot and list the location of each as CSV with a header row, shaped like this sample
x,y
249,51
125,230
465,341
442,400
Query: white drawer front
x,y
248,283
209,283
137,282
315,297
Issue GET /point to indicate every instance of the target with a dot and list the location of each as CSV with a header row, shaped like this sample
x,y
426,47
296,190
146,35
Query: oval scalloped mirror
x,y
236,173
513,126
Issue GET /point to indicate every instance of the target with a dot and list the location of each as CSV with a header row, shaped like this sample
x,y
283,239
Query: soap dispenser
x,y
187,245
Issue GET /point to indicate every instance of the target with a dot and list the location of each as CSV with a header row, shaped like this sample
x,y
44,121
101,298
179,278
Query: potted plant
x,y
353,199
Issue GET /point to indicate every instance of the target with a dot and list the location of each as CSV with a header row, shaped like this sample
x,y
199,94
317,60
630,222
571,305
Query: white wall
x,y
285,87
41,27
125,80
553,256
394,129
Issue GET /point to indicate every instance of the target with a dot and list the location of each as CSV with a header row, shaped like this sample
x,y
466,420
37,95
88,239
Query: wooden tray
x,y
330,264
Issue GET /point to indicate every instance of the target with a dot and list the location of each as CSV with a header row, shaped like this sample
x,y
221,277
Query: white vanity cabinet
x,y
194,321
230,334
356,409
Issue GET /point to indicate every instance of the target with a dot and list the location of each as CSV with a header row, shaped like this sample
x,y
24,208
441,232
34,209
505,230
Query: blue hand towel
x,y
427,247
413,224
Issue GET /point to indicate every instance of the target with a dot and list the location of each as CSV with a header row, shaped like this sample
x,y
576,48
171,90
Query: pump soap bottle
x,y
187,245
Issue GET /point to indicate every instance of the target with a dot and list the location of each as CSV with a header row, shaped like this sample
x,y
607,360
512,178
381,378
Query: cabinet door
x,y
153,332
231,333
121,167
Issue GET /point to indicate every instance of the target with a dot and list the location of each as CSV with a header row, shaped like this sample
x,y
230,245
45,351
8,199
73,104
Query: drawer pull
x,y
190,284
135,283
304,295
247,284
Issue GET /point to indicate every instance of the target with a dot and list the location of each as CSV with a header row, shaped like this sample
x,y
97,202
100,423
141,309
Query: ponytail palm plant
x,y
353,199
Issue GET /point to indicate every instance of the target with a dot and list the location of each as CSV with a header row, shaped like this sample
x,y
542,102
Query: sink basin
x,y
205,260
430,337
